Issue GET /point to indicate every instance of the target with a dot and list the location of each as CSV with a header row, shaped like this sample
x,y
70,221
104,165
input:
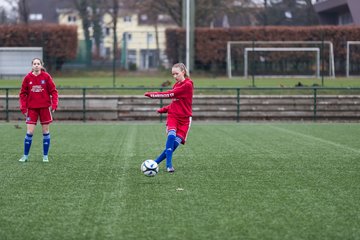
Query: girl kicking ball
x,y
179,112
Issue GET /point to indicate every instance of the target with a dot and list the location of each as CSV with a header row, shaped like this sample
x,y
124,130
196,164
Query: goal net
x,y
280,58
352,58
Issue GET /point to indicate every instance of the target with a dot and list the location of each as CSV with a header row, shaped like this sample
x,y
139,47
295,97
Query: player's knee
x,y
172,132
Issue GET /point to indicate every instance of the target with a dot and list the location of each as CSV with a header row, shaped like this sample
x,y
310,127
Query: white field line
x,y
127,147
338,145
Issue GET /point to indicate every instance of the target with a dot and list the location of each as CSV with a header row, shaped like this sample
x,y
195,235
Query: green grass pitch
x,y
232,181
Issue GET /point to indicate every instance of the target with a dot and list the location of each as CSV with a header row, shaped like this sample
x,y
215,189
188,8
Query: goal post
x,y
348,45
300,46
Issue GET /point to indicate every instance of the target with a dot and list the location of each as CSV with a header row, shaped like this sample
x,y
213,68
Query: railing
x,y
241,100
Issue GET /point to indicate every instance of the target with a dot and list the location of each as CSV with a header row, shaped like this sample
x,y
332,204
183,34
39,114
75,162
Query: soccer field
x,y
232,181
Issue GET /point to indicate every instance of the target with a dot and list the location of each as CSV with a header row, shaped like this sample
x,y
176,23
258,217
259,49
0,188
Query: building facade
x,y
141,44
338,12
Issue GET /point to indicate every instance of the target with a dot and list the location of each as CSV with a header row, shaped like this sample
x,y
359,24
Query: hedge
x,y
211,43
59,42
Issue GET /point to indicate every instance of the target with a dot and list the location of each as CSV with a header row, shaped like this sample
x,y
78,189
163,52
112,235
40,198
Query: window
x,y
148,59
127,19
345,19
107,31
71,19
164,17
131,57
144,17
108,52
150,38
36,17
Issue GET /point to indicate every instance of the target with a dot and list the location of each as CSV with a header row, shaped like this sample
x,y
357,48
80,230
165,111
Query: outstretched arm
x,y
167,94
177,92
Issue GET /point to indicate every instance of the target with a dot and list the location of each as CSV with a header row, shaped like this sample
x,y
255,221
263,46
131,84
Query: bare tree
x,y
311,15
84,12
23,11
92,12
289,12
113,10
18,9
98,8
3,16
173,8
115,14
208,10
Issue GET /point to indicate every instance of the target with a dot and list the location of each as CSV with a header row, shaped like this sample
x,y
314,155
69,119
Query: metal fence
x,y
228,103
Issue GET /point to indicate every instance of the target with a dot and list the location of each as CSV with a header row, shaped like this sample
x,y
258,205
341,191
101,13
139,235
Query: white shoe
x,y
45,159
24,159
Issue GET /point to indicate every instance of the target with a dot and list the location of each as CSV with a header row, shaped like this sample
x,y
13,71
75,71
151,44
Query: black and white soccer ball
x,y
149,168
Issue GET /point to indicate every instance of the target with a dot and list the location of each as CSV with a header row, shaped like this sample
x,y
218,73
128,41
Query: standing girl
x,y
38,93
179,112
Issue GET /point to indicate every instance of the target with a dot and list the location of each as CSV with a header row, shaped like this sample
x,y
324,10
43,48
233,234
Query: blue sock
x,y
169,149
46,143
162,156
27,144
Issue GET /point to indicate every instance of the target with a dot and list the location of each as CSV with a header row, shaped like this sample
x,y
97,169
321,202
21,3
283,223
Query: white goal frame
x,y
279,43
348,43
281,49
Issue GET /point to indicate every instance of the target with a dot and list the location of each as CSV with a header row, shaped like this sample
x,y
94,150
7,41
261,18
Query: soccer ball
x,y
149,168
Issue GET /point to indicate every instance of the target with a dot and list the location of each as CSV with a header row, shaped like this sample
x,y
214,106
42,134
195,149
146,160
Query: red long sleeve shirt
x,y
182,95
38,92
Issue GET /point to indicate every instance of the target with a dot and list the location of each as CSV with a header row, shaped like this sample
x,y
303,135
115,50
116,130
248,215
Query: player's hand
x,y
53,108
24,111
162,110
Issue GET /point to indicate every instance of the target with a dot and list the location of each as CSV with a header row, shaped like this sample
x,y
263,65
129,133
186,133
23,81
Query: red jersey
x,y
38,92
182,95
